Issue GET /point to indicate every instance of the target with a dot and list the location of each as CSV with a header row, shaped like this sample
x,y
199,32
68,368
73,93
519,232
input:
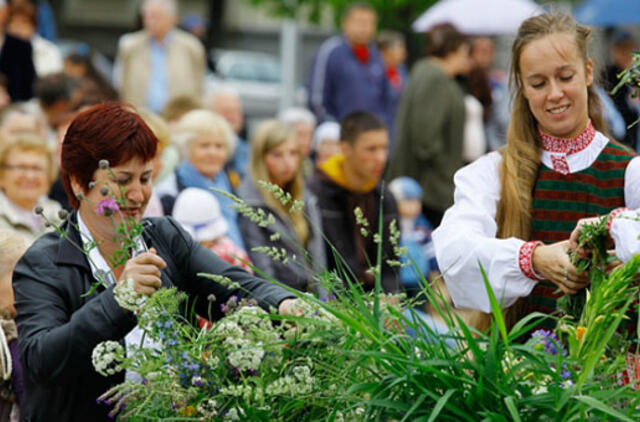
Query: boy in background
x,y
351,180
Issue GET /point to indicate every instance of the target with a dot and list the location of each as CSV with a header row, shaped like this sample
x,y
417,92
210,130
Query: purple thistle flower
x,y
107,207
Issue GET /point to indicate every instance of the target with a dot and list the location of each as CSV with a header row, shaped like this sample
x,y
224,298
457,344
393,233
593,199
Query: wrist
x,y
526,260
613,214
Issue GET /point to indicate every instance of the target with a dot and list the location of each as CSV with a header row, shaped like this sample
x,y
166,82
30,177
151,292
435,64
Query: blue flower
x,y
547,341
167,324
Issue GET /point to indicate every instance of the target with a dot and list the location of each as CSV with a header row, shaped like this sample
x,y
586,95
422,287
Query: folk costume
x,y
581,177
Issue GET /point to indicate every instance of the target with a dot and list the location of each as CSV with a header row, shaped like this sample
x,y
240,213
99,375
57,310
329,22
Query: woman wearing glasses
x,y
26,173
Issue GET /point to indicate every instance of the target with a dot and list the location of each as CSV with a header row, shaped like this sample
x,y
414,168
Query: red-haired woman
x,y
59,327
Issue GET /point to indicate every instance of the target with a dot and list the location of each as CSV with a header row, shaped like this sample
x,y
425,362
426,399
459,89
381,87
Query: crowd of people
x,y
439,147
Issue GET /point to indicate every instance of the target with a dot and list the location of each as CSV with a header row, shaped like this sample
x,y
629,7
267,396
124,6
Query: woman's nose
x,y
135,194
556,91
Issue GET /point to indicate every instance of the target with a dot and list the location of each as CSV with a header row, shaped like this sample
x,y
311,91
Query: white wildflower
x,y
208,408
127,297
105,357
234,414
247,358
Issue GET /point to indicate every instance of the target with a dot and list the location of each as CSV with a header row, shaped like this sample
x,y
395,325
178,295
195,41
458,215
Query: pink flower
x,y
107,207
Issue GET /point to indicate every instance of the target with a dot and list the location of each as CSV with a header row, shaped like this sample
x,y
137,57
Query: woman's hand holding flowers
x,y
552,263
144,270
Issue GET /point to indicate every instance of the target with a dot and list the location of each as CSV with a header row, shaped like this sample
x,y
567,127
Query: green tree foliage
x,y
393,14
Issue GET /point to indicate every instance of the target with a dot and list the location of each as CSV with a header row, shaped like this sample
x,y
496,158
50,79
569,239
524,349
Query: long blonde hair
x,y
269,135
521,155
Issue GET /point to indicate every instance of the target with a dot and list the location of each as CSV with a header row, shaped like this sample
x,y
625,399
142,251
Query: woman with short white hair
x,y
26,174
206,142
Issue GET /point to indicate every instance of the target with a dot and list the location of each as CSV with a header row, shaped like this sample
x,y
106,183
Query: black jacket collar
x,y
70,246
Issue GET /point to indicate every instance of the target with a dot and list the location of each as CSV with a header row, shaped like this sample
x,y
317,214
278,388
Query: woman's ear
x,y
77,187
589,72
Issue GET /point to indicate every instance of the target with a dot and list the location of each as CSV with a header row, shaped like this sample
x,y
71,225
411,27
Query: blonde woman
x,y
26,174
206,142
515,209
276,158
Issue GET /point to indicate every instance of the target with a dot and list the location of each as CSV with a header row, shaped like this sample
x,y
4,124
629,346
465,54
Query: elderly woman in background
x,y
206,143
275,158
59,324
26,173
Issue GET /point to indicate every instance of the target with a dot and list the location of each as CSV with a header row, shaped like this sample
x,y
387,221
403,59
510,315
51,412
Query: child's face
x,y
409,208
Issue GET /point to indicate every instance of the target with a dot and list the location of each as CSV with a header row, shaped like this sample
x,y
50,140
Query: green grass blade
x,y
440,405
596,404
496,310
513,410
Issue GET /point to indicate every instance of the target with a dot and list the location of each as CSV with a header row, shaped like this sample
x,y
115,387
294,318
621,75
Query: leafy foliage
x,y
396,14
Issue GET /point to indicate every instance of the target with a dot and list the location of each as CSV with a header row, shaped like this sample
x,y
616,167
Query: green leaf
x,y
440,405
496,310
513,409
596,404
413,408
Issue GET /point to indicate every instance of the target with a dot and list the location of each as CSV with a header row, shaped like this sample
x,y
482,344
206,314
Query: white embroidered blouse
x,y
467,234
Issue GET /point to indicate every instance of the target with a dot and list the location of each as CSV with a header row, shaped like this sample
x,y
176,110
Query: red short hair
x,y
110,131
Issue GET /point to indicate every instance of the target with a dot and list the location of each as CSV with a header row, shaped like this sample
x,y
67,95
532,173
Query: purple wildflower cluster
x,y
544,340
547,341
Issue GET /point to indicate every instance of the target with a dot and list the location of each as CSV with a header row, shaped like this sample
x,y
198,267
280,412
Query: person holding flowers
x,y
62,314
515,209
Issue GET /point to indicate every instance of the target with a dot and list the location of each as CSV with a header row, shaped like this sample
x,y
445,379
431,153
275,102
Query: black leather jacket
x,y
58,328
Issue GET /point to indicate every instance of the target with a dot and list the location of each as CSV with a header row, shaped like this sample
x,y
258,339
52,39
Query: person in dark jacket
x,y
429,126
276,158
58,325
16,61
348,73
352,180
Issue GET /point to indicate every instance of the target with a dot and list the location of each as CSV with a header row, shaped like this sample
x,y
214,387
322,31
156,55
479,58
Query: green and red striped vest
x,y
560,200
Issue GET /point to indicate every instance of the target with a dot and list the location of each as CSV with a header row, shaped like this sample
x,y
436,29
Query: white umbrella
x,y
478,17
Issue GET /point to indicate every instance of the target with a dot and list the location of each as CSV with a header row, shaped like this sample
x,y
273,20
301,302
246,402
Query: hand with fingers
x,y
144,270
575,234
552,262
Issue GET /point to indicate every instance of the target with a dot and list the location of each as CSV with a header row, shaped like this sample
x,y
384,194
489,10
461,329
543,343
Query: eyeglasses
x,y
24,168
